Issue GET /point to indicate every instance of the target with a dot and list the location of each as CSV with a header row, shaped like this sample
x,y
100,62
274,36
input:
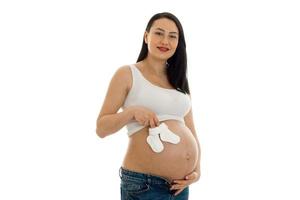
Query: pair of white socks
x,y
161,132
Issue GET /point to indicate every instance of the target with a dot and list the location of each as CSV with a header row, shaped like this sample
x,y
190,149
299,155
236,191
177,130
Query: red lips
x,y
163,49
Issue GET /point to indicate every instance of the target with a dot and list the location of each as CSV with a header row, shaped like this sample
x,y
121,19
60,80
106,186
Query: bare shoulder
x,y
117,91
123,76
123,72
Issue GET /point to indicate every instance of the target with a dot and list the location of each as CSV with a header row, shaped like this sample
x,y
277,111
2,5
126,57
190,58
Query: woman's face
x,y
162,39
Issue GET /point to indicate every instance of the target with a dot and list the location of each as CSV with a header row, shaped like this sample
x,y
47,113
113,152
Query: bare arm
x,y
109,121
109,124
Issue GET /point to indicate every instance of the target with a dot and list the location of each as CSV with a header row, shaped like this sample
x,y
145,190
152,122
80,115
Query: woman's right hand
x,y
145,117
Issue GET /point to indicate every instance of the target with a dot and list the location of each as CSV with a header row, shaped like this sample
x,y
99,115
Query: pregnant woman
x,y
163,154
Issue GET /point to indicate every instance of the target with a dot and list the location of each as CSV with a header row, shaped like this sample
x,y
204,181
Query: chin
x,y
163,57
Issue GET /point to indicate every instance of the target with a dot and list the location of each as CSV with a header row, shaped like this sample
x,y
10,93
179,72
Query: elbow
x,y
100,133
103,130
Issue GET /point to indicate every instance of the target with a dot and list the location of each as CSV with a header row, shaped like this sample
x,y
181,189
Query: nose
x,y
165,40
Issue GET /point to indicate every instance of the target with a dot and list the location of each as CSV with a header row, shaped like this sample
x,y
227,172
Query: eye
x,y
173,36
158,33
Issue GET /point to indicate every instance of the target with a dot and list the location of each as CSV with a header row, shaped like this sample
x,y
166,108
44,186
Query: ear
x,y
146,37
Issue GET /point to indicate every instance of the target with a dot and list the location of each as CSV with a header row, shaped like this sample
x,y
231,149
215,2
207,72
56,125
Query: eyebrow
x,y
174,32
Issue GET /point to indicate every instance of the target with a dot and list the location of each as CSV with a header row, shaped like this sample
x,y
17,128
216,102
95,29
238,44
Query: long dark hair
x,y
177,64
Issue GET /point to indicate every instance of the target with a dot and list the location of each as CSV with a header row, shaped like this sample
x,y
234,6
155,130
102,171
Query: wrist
x,y
130,112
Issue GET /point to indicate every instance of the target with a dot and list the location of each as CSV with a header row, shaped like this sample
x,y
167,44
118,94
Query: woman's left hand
x,y
181,184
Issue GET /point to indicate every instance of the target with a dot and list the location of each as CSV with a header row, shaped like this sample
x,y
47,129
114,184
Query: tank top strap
x,y
137,80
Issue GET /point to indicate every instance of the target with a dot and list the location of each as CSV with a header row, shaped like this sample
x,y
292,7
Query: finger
x,y
180,182
156,121
177,186
191,176
141,122
152,123
146,123
178,191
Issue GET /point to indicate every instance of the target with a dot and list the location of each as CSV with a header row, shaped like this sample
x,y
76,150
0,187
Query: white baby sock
x,y
154,141
167,135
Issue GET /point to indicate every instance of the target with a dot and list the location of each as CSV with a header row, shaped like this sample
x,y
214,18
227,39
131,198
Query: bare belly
x,y
174,162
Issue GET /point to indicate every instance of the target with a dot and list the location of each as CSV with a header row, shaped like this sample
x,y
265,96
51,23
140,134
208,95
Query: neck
x,y
157,67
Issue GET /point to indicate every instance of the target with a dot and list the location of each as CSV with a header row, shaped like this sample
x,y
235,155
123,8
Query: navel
x,y
188,157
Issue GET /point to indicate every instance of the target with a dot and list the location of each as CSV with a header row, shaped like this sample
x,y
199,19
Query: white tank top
x,y
166,103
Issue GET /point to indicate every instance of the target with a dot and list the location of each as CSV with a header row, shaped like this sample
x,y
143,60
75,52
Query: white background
x,y
57,58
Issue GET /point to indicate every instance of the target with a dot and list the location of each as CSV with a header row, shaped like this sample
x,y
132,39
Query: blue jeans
x,y
139,186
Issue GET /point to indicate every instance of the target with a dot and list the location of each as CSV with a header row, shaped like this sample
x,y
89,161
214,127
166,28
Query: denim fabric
x,y
140,186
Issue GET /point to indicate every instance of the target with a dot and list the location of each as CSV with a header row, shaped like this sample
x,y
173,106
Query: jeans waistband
x,y
149,178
